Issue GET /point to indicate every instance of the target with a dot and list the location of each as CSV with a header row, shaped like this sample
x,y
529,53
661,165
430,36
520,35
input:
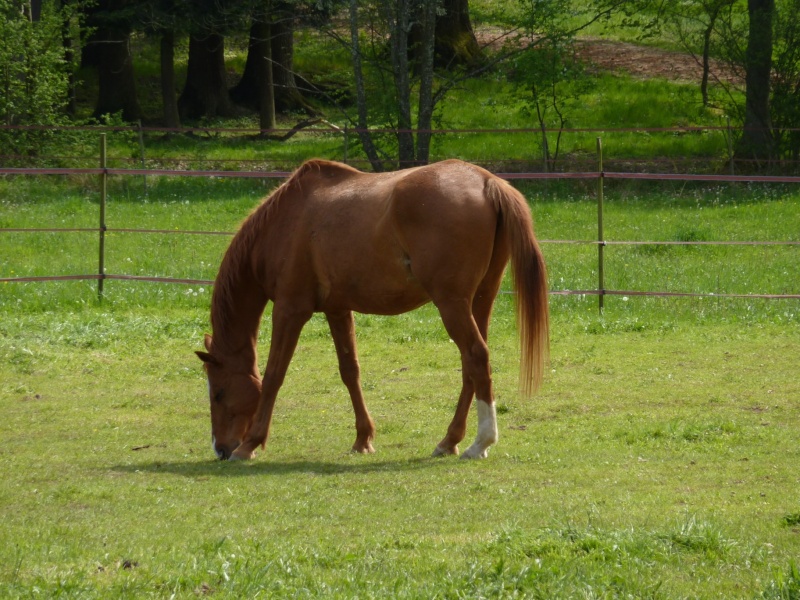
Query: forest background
x,y
384,69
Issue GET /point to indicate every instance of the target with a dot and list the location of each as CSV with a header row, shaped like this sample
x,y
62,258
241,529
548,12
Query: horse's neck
x,y
235,321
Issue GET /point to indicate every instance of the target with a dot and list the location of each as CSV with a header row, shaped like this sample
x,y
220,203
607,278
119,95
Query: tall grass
x,y
644,214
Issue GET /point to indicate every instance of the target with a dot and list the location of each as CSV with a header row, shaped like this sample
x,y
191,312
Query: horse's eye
x,y
219,396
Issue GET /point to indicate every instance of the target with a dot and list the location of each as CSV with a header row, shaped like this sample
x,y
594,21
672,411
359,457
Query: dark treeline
x,y
405,55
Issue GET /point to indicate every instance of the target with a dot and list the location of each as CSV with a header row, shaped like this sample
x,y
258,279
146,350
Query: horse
x,y
335,240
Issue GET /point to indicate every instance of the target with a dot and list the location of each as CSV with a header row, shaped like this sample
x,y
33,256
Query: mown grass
x,y
653,464
659,460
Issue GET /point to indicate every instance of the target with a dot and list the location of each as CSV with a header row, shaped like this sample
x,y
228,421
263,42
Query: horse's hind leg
x,y
344,339
458,426
463,329
481,313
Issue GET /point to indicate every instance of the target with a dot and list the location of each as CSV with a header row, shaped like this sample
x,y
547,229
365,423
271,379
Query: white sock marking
x,y
487,431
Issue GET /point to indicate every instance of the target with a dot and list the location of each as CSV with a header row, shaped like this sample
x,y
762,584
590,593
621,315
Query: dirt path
x,y
633,59
646,62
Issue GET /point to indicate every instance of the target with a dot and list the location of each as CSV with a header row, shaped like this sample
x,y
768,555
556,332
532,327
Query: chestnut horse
x,y
335,240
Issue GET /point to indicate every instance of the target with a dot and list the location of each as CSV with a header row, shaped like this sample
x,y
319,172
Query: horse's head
x,y
234,398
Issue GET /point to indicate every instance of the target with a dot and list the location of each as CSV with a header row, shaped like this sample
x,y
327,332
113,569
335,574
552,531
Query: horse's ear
x,y
206,358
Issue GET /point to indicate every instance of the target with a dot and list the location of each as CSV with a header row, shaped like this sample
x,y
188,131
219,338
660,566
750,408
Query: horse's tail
x,y
529,280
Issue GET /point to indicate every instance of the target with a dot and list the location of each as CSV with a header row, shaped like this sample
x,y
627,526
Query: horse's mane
x,y
253,226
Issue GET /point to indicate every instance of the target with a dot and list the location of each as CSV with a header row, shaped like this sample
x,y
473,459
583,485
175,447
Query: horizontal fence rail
x,y
508,176
103,172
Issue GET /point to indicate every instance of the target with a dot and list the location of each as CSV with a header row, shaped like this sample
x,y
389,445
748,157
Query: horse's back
x,y
383,243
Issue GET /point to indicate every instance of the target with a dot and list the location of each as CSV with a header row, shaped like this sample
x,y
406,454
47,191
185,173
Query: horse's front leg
x,y
287,323
344,339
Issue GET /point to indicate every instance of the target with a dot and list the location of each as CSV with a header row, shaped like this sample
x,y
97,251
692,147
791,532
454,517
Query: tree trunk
x,y
425,109
706,59
256,89
398,15
364,134
117,89
455,39
266,89
757,141
245,92
205,93
169,97
69,58
287,96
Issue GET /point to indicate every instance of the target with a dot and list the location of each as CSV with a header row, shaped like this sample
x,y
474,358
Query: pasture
x,y
659,460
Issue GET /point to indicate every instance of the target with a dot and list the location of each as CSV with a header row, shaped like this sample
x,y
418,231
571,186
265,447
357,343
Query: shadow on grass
x,y
205,469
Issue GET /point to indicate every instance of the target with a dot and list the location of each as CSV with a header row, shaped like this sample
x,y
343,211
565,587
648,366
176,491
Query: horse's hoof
x,y
476,453
359,449
442,451
241,454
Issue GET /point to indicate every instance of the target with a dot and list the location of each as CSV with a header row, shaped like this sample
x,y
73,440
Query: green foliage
x,y
33,78
785,92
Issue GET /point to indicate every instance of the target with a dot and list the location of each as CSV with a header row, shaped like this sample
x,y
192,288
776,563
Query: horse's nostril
x,y
221,452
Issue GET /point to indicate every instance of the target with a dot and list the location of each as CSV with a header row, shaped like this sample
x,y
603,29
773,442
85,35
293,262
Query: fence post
x,y
545,149
141,155
103,196
731,164
601,286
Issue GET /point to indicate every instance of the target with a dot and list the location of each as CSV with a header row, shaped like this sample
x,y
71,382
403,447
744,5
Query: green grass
x,y
562,212
659,459
492,104
655,464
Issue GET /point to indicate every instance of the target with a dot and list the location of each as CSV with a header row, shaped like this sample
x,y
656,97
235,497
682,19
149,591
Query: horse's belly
x,y
377,294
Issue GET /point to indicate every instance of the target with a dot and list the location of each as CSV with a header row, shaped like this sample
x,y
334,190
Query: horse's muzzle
x,y
223,452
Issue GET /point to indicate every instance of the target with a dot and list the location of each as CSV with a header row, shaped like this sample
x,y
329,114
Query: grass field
x,y
658,461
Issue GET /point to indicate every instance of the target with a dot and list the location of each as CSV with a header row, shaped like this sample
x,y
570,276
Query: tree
x,y
169,98
205,93
395,19
261,50
109,51
696,24
34,78
785,98
362,123
546,66
162,20
281,18
455,43
556,80
398,16
757,142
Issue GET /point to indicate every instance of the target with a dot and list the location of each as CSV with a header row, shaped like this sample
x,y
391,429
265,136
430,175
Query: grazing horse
x,y
335,240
